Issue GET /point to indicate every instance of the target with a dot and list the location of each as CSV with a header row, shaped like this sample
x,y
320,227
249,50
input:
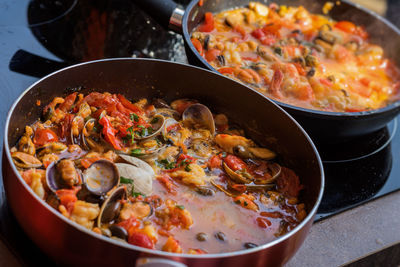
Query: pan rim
x,y
308,218
395,106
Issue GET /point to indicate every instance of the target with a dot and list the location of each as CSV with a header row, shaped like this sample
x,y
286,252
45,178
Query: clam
x,y
25,160
275,171
241,177
90,138
157,123
101,177
199,115
62,174
169,113
138,172
111,206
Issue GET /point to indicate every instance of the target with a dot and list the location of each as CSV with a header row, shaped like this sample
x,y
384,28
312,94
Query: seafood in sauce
x,y
172,177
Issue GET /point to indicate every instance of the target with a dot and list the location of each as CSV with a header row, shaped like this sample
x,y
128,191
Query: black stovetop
x,y
62,32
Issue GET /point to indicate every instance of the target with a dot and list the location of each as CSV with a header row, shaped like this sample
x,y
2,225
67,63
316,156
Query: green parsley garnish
x,y
124,180
180,207
134,117
166,164
187,168
136,194
136,152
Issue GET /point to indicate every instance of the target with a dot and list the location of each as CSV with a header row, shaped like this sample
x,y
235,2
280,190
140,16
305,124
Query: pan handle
x,y
30,64
165,12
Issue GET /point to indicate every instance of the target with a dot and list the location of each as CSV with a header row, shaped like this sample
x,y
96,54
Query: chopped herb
x,y
278,50
223,154
131,134
141,126
237,202
187,168
245,203
180,207
166,164
136,194
155,120
124,180
136,152
134,117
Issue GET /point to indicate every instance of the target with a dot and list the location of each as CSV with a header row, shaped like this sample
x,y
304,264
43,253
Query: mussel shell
x,y
118,231
25,160
101,177
111,207
199,114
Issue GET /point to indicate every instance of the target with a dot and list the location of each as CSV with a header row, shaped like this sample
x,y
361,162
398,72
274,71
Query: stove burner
x,y
358,148
357,171
47,11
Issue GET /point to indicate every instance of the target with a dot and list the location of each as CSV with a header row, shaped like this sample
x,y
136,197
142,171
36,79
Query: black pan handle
x,y
30,64
160,10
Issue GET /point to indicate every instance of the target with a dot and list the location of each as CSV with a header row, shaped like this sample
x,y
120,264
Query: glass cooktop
x,y
38,37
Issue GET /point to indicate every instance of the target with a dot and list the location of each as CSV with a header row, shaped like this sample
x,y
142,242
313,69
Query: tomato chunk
x,y
44,136
208,24
141,240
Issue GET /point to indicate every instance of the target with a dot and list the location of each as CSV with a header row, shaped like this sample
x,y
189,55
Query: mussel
x,y
25,160
62,174
101,177
199,115
111,206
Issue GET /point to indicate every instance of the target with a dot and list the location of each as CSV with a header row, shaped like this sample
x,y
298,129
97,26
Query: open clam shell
x,y
54,179
236,176
111,206
138,172
101,177
157,123
199,115
275,171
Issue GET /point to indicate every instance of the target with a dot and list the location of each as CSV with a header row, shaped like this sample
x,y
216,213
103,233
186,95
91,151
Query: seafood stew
x,y
299,58
155,174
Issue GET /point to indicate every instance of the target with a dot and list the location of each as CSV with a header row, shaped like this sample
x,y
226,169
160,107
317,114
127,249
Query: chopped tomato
x,y
241,30
187,158
299,68
226,70
68,102
68,197
196,43
274,214
130,224
201,2
208,24
109,133
44,136
258,33
288,183
325,82
173,127
234,163
240,187
350,27
129,105
212,54
215,162
140,240
86,162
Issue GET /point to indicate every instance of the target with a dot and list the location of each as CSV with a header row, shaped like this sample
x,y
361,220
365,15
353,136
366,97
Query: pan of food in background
x,y
110,167
335,74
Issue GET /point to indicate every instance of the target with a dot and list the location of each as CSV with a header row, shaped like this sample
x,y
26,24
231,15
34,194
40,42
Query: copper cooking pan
x,y
70,244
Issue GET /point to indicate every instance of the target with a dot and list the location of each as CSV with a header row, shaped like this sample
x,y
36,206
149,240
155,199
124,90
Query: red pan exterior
x,y
69,244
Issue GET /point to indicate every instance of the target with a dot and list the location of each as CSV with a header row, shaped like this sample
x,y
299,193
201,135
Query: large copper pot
x,y
68,243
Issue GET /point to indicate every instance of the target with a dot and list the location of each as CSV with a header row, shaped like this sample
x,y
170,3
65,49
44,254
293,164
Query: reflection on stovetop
x,y
68,31
356,170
